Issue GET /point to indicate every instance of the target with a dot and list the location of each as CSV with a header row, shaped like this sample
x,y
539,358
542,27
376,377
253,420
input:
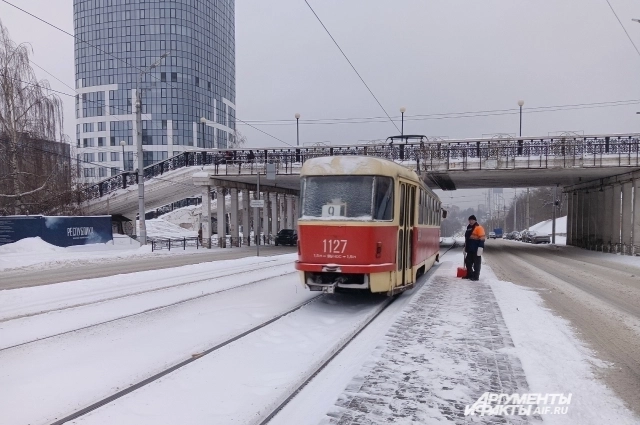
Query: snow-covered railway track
x,y
148,310
82,412
313,373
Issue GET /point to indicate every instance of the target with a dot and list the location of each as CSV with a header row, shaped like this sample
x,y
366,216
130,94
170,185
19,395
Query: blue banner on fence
x,y
14,228
59,231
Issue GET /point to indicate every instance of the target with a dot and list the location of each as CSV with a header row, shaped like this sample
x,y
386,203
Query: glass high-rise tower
x,y
116,40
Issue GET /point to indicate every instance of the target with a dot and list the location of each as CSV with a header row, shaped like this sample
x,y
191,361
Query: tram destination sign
x,y
256,203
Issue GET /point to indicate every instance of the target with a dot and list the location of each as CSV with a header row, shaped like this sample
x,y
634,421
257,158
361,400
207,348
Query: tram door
x,y
405,233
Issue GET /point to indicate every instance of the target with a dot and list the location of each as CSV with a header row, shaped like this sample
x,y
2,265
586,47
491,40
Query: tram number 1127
x,y
334,246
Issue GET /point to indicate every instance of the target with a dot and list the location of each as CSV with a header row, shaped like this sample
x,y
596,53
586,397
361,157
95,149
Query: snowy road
x,y
59,269
598,293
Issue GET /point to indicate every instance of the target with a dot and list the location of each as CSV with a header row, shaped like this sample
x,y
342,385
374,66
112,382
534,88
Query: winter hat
x,y
472,217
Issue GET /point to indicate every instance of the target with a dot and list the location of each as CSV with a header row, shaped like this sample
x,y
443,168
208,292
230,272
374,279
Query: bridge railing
x,y
424,157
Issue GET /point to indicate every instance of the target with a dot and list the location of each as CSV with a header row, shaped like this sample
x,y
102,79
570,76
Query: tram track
x,y
312,373
324,364
155,377
339,350
233,271
150,310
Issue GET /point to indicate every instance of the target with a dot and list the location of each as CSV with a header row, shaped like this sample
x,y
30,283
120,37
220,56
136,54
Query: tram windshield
x,y
347,198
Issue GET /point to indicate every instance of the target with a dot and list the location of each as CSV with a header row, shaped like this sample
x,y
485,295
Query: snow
x,y
546,227
159,228
86,365
28,245
344,164
34,253
554,359
450,321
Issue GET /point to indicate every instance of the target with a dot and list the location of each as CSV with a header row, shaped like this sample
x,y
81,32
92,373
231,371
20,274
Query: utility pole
x,y
141,208
527,215
553,224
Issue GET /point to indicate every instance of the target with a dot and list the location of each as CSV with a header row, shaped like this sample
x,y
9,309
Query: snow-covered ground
x,y
546,227
36,253
437,348
160,228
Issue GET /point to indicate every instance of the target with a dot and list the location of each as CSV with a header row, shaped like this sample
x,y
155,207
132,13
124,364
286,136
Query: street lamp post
x,y
402,111
297,137
520,104
141,208
124,164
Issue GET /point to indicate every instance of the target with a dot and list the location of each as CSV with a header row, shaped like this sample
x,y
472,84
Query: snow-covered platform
x,y
448,347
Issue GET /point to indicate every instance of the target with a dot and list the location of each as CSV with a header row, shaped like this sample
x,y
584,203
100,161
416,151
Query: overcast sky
x,y
432,57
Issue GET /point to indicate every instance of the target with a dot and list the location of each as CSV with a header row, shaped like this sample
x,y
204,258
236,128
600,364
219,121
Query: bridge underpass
x,y
575,164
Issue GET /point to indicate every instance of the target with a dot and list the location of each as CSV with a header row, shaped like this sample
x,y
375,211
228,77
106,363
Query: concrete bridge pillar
x,y
234,230
246,218
289,223
274,214
607,233
265,218
580,218
296,205
206,216
615,215
600,218
627,205
593,218
221,216
570,218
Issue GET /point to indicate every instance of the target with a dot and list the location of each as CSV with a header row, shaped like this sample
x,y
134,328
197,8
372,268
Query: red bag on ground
x,y
462,271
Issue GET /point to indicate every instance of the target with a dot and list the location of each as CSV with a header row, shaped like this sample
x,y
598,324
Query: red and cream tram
x,y
365,223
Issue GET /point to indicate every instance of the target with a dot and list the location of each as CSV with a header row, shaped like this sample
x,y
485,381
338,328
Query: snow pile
x,y
546,227
159,228
28,245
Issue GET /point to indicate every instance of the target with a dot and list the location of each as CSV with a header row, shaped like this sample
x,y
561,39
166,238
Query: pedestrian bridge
x,y
447,165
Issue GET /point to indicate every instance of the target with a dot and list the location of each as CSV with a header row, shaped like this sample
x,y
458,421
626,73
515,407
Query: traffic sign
x,y
257,203
271,171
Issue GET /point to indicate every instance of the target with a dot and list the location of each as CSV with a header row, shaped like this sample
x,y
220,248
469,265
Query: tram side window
x,y
421,208
383,199
431,220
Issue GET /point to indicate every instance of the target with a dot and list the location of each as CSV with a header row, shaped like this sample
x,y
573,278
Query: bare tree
x,y
238,142
29,111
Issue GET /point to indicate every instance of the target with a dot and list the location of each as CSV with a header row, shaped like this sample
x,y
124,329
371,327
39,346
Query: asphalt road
x,y
91,269
599,297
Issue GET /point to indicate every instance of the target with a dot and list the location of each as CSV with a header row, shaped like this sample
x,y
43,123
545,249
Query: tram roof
x,y
357,165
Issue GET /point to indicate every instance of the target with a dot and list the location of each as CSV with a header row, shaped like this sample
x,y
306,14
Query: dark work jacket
x,y
471,245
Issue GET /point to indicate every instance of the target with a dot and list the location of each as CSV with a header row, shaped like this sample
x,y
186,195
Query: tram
x,y
365,223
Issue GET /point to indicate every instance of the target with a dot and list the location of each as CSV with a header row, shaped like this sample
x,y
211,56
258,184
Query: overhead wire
x,y
352,66
623,28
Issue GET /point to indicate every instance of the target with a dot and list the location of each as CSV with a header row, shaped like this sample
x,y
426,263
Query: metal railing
x,y
424,156
175,243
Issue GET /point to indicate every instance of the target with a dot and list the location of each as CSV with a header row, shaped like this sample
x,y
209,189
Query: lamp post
x,y
203,121
520,104
297,115
141,208
124,164
402,111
